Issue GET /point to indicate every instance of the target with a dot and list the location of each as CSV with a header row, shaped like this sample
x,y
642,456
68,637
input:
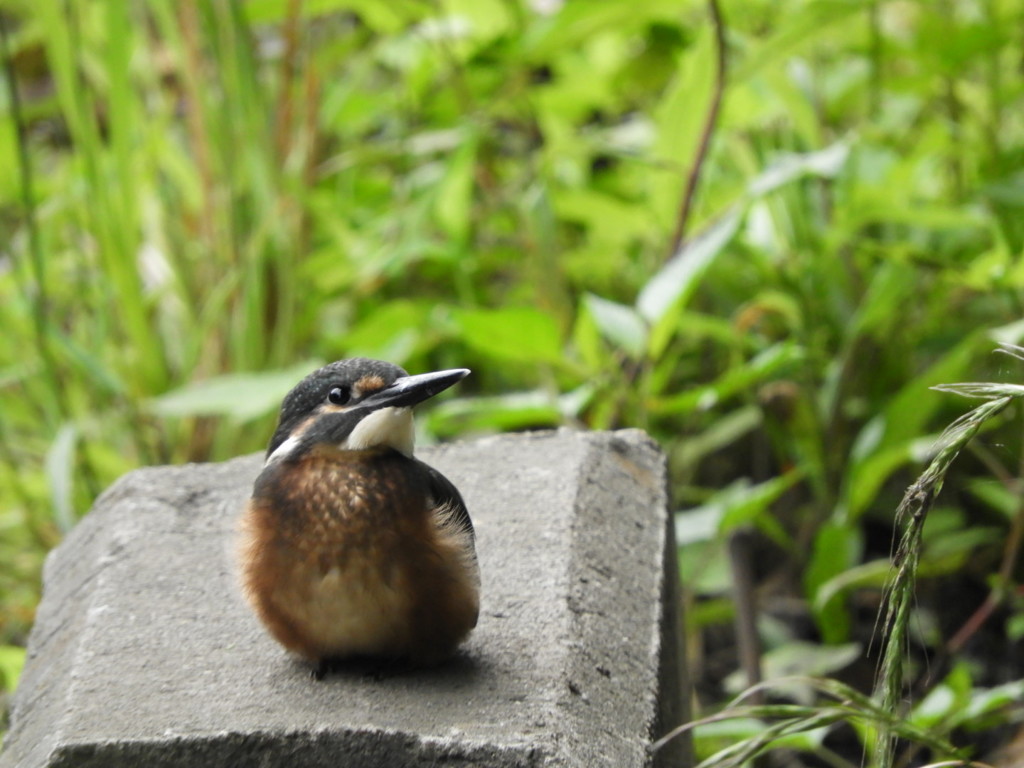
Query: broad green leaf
x,y
514,410
800,658
242,396
452,206
958,701
836,548
986,700
875,574
575,23
678,123
680,116
945,700
995,495
752,505
866,477
674,283
739,504
608,220
487,19
588,344
893,436
518,334
802,27
618,323
391,333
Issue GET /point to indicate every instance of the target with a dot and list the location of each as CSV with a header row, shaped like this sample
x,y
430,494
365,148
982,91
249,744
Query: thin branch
x,y
710,121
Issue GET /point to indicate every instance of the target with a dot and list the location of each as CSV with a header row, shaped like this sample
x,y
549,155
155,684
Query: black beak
x,y
409,390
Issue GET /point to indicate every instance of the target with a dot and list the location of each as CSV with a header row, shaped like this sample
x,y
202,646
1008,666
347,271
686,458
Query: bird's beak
x,y
409,390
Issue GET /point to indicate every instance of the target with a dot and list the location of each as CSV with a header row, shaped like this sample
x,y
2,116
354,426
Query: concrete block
x,y
143,652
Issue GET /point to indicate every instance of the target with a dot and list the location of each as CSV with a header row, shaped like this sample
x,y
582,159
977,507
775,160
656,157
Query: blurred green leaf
x,y
735,380
722,433
984,701
453,205
517,334
996,495
679,120
738,504
677,280
891,285
698,524
837,548
799,658
392,332
801,27
513,410
618,323
12,661
710,611
874,574
753,504
380,16
827,162
704,569
572,24
893,437
865,478
241,396
60,474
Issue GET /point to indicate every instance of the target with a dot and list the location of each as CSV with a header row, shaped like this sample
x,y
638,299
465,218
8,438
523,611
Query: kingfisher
x,y
350,546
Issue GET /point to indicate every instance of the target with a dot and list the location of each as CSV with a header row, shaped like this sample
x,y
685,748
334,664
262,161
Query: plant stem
x,y
692,179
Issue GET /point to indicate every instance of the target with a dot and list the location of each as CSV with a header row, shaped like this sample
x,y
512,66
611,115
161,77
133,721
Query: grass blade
x,y
899,600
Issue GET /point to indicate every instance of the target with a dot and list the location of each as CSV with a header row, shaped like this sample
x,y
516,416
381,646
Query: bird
x,y
350,547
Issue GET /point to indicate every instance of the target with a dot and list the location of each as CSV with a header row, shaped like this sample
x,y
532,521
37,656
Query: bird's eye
x,y
338,395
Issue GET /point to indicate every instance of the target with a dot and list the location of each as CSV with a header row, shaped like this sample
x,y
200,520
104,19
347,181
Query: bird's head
x,y
354,404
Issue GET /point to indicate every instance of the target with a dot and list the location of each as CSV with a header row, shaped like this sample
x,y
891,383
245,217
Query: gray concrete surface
x,y
143,652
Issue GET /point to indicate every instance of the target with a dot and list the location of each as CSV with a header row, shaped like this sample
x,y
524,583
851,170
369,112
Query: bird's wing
x,y
447,495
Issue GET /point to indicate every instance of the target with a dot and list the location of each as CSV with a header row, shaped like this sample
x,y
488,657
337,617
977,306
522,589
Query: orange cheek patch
x,y
301,428
371,383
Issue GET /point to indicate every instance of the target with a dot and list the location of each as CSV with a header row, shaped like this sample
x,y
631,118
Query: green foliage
x,y
12,659
743,731
201,200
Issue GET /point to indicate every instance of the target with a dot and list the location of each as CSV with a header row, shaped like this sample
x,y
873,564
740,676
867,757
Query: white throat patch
x,y
283,451
388,427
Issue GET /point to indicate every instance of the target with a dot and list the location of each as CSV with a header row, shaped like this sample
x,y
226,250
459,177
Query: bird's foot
x,y
374,667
